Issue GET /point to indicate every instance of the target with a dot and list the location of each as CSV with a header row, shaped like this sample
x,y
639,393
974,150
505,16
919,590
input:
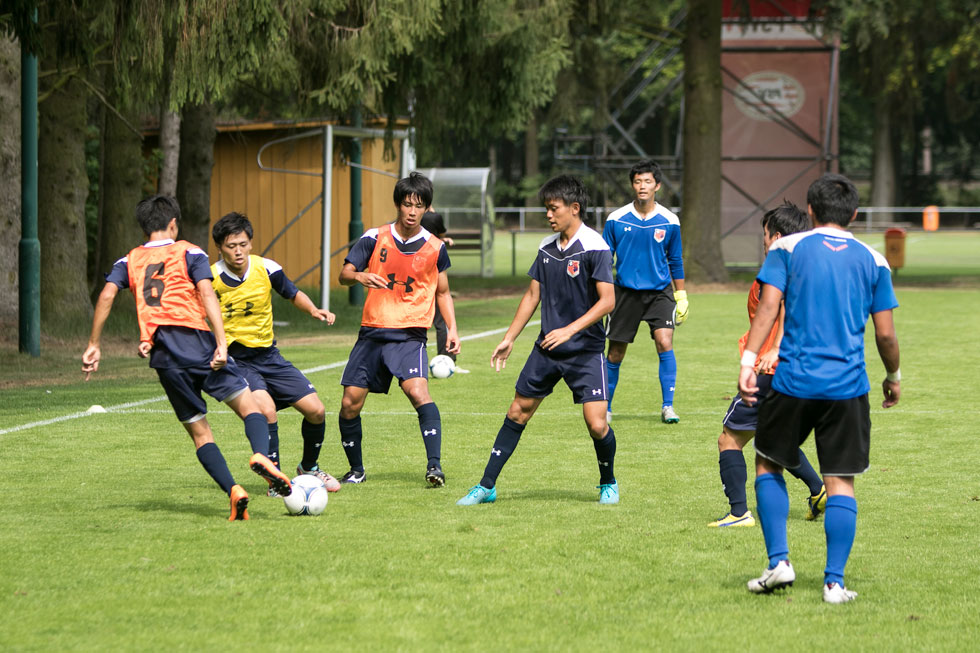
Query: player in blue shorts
x,y
830,283
243,284
645,239
171,282
738,426
403,266
571,278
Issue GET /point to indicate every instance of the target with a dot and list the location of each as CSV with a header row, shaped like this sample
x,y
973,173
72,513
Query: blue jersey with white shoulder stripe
x,y
832,282
568,287
647,249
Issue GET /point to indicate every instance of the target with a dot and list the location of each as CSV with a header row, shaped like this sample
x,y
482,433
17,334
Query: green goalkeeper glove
x,y
680,314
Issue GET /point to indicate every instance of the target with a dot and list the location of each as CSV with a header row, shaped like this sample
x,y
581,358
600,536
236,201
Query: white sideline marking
x,y
136,404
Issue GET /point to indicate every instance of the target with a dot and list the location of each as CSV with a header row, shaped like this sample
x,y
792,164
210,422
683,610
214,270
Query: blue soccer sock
x,y
257,432
612,378
668,376
840,526
430,424
507,438
773,508
731,465
274,443
312,441
214,464
807,474
605,454
350,437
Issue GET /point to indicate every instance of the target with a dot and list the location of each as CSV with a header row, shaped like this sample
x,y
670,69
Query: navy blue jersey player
x,y
645,239
571,278
830,283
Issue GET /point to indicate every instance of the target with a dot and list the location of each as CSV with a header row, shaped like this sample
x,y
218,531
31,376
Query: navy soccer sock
x,y
612,379
257,432
214,464
808,475
668,376
312,441
840,526
605,454
731,464
431,426
507,438
773,508
350,437
274,443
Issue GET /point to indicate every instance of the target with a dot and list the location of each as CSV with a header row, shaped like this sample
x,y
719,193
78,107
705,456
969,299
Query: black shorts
x,y
373,363
184,385
584,374
655,307
742,416
268,370
841,430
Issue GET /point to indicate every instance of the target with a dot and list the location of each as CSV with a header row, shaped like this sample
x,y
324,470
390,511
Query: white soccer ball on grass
x,y
309,497
442,366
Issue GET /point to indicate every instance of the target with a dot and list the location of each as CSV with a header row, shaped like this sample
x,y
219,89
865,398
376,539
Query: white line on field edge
x,y
136,404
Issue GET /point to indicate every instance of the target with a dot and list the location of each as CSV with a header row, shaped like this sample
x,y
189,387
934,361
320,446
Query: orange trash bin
x,y
930,218
895,247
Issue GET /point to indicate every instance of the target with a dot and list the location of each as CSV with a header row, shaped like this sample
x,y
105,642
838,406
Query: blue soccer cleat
x,y
478,494
608,493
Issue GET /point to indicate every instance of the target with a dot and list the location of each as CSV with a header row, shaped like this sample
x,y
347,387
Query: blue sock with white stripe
x,y
612,378
274,443
772,504
503,446
731,465
840,526
431,426
605,454
350,438
668,376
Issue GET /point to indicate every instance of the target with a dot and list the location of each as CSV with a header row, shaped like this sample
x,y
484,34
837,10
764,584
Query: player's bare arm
x,y
603,306
303,302
93,352
529,304
213,312
765,317
768,359
349,276
447,309
887,342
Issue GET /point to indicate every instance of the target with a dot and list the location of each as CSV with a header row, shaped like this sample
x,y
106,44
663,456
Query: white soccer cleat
x,y
837,593
608,416
780,576
668,415
461,370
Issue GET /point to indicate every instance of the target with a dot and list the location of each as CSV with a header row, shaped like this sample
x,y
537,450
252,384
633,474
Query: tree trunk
x,y
884,172
197,134
122,189
701,201
10,217
62,191
532,157
170,148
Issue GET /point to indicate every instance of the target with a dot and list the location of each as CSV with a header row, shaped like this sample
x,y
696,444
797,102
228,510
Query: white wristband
x,y
894,377
748,358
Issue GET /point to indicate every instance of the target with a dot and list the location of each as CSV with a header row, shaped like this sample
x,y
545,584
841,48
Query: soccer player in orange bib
x,y
403,266
171,282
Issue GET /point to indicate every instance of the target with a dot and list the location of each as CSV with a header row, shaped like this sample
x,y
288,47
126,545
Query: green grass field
x,y
112,537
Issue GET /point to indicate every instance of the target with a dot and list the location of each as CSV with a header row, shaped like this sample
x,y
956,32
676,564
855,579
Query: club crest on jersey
x,y
659,235
572,268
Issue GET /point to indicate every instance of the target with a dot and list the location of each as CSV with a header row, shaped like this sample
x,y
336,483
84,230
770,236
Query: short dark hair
x,y
568,189
786,219
646,165
229,225
155,213
414,184
833,198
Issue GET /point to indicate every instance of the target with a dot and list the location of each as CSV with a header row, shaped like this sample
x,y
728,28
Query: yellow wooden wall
x,y
272,199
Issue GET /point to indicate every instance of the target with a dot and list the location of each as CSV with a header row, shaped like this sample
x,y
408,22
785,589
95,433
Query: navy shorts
x,y
841,430
742,416
183,386
269,371
655,307
372,364
584,374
